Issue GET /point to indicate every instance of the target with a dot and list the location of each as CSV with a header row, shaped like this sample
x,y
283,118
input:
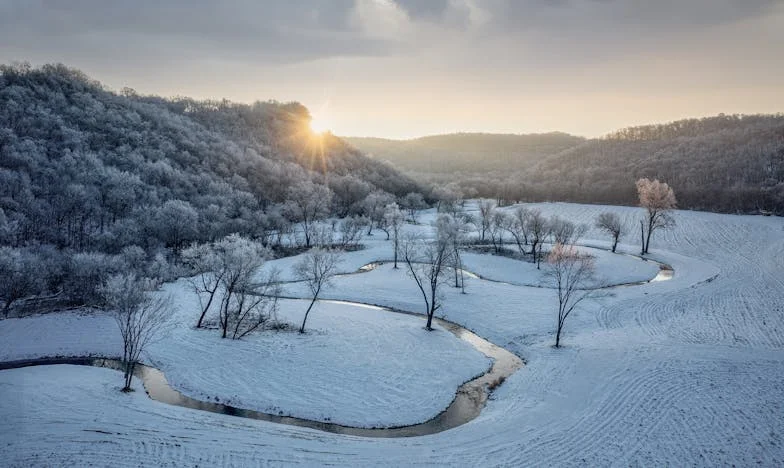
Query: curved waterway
x,y
466,406
468,403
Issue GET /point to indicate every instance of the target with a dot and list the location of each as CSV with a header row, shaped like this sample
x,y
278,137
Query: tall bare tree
x,y
538,229
518,227
140,316
570,272
658,199
611,224
204,260
428,264
316,268
486,211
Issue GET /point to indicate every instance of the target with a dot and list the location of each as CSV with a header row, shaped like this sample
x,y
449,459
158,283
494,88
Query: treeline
x,y
466,152
92,180
727,163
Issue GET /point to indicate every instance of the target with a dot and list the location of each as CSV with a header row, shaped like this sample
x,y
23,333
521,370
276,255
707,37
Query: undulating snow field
x,y
682,372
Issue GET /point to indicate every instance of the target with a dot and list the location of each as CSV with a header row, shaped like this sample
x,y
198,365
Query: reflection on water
x,y
467,404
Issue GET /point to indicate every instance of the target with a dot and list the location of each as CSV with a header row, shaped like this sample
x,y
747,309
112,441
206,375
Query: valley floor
x,y
683,372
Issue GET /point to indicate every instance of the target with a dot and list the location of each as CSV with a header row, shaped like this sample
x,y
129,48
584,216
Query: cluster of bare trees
x,y
528,228
230,279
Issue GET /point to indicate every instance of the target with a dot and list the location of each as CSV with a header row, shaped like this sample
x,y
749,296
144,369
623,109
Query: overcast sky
x,y
413,67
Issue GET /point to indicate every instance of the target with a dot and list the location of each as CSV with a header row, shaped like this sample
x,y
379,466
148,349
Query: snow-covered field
x,y
682,372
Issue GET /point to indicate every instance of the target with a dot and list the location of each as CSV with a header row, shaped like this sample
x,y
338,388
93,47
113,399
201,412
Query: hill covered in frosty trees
x,y
90,177
466,152
727,163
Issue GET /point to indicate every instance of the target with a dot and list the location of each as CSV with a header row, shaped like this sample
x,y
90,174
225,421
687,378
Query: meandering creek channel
x,y
468,403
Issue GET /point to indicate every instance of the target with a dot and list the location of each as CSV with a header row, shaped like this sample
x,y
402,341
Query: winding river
x,y
469,399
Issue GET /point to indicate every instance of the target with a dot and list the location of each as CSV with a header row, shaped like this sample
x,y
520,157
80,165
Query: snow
x,y
611,269
356,366
681,372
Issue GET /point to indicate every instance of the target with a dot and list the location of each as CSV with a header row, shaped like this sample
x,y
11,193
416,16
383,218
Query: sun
x,y
318,124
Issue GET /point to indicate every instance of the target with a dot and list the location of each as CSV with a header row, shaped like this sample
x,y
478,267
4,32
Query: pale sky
x,y
407,68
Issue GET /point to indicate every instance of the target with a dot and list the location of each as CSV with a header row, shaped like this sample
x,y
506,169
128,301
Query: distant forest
x,y
727,163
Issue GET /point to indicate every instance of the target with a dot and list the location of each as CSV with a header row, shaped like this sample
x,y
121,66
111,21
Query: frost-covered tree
x,y
413,202
393,220
374,207
570,272
486,211
140,315
538,229
453,230
658,199
499,223
449,198
316,268
350,231
239,262
175,223
518,227
610,223
19,276
564,231
307,203
205,261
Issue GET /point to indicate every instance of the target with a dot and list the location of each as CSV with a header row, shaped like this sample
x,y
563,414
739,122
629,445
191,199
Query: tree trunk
x,y
129,368
204,312
429,325
642,237
615,243
302,328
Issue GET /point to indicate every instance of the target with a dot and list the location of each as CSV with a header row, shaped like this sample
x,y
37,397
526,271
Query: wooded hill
x,y
94,182
466,152
86,168
726,163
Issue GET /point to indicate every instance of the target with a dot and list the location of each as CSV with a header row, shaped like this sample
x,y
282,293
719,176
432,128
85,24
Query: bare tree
x,y
564,231
19,276
428,264
393,219
240,261
611,224
518,227
140,316
253,307
538,231
204,260
413,202
452,230
374,207
350,231
486,211
570,271
658,199
316,268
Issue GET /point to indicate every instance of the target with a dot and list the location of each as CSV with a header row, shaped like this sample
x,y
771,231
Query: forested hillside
x,y
468,152
91,179
727,163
